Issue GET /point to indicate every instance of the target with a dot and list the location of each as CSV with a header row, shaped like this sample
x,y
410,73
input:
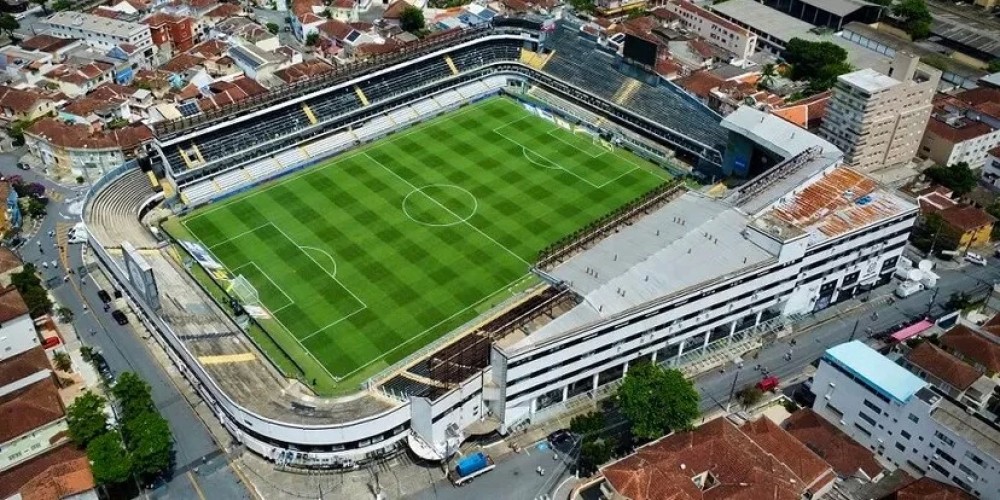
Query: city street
x,y
124,350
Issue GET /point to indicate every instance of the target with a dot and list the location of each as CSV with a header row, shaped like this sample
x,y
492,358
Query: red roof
x,y
22,365
225,10
737,466
335,29
59,464
700,83
19,101
939,363
395,9
831,444
81,137
29,408
304,70
182,63
967,217
12,306
926,488
974,346
46,43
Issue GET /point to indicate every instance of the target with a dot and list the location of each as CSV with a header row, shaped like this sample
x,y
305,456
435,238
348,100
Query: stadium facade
x,y
673,274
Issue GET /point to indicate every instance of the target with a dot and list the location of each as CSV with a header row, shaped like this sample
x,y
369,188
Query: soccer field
x,y
370,256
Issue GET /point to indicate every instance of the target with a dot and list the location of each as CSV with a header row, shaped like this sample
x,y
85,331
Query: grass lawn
x,y
368,257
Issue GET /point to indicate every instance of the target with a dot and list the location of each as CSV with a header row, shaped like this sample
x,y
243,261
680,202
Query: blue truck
x,y
469,467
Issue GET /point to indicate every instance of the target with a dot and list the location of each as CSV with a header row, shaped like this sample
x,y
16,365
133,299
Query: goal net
x,y
241,288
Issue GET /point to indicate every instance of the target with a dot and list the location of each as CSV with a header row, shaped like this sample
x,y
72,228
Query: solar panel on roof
x,y
188,108
352,36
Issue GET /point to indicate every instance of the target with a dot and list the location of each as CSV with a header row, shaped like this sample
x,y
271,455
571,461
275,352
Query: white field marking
x,y
238,236
324,252
574,146
446,209
336,160
439,323
261,271
475,205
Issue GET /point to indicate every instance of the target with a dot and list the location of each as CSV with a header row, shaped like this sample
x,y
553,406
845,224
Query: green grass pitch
x,y
370,256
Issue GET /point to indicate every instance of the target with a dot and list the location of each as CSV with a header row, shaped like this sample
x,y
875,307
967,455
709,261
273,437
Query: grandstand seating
x,y
274,130
113,212
270,166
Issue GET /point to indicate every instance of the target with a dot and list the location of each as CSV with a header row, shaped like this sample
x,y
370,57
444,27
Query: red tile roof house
x,y
949,374
80,151
721,461
77,80
17,104
977,346
848,458
63,472
177,31
17,329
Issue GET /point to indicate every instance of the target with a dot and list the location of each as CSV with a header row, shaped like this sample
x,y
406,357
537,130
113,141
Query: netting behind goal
x,y
241,288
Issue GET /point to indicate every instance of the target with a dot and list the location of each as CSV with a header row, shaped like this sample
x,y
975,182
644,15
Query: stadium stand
x,y
113,215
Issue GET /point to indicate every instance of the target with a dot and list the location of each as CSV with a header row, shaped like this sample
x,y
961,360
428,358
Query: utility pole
x,y
732,389
855,329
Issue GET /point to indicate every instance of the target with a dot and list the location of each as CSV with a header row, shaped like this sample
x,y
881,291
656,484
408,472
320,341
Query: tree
x,y
8,24
932,233
42,4
273,28
411,19
820,63
87,353
30,287
66,316
957,177
149,442
62,361
86,418
312,39
582,6
767,74
16,131
913,17
657,401
595,447
133,395
994,66
958,301
108,459
35,207
61,5
749,396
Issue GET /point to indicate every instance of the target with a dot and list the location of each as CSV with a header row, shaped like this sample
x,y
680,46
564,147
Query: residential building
x,y
714,29
57,47
949,374
248,33
63,473
905,421
80,151
848,458
963,128
972,226
991,168
77,79
99,32
758,459
175,31
878,120
17,330
26,104
10,215
807,113
303,71
24,68
978,346
10,263
31,409
926,488
618,8
256,63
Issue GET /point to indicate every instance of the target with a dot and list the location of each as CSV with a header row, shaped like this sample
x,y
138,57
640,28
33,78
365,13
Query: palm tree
x,y
767,74
62,361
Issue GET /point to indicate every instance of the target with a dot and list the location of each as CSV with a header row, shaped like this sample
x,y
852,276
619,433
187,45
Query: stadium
x,y
462,238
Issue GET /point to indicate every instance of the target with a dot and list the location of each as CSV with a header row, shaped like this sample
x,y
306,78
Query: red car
x,y
768,384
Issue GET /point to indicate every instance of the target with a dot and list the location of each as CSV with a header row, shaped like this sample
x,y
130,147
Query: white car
x,y
976,259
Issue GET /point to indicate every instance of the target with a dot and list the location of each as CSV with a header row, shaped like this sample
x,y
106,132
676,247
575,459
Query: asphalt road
x,y
124,350
515,477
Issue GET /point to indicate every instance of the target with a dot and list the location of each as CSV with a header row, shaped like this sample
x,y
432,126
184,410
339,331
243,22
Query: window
x,y
941,470
900,447
975,458
944,439
968,472
944,456
866,418
913,418
835,411
874,407
863,430
905,434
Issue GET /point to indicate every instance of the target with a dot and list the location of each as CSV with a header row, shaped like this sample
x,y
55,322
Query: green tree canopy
x,y
932,233
8,24
312,39
61,5
412,19
957,177
913,17
148,440
29,285
820,63
133,395
108,460
86,418
273,28
657,401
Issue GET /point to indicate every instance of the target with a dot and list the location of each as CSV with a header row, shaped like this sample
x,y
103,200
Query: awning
x,y
911,331
420,448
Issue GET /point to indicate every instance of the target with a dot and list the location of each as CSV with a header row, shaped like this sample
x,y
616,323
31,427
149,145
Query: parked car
x,y
23,166
976,259
119,317
104,296
560,437
102,367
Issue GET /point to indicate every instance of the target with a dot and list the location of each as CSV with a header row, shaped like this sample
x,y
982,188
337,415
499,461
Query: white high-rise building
x,y
878,120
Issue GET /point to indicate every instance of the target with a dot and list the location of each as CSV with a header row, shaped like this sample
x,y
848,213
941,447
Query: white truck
x,y
907,288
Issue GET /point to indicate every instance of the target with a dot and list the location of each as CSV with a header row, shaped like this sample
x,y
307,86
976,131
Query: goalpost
x,y
245,292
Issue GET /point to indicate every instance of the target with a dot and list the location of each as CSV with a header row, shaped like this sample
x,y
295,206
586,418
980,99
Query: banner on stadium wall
x,y
563,123
544,114
201,255
528,107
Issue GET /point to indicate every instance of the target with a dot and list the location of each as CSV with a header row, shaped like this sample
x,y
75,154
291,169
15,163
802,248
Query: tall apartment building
x,y
905,421
714,28
99,32
878,119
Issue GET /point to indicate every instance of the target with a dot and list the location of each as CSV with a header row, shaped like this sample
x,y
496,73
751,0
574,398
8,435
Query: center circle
x,y
440,205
